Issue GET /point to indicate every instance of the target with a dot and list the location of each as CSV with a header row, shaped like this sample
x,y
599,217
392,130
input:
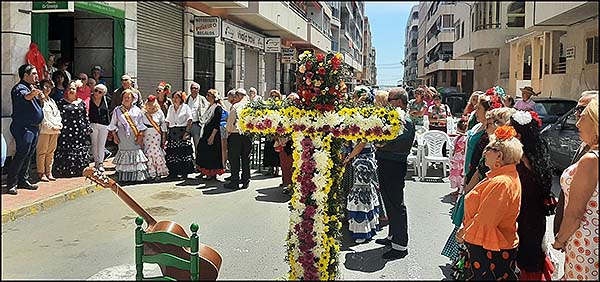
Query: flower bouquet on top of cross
x,y
321,84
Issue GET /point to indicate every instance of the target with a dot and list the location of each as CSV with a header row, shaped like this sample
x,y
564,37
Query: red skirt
x,y
544,275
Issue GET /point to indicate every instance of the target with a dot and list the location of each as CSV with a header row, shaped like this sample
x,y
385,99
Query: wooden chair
x,y
166,259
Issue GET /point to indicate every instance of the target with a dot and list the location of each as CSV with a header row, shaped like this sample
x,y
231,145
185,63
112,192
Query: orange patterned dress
x,y
581,257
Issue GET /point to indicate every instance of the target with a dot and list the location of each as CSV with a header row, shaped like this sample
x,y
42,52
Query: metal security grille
x,y
160,46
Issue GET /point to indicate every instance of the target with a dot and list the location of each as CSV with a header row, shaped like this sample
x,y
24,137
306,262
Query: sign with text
x,y
288,56
239,34
570,53
207,26
53,6
273,45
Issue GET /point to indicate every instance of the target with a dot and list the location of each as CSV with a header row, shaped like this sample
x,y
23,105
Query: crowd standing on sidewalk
x,y
499,162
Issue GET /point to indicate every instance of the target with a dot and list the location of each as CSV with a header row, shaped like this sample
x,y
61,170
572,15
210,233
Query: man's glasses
x,y
579,109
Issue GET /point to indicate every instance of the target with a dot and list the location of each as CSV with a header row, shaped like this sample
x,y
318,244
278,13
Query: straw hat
x,y
529,89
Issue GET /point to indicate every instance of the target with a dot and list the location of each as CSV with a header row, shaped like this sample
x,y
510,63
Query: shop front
x,y
85,33
244,57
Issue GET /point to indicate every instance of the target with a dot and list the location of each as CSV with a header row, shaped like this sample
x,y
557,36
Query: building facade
x,y
551,46
221,45
411,49
436,65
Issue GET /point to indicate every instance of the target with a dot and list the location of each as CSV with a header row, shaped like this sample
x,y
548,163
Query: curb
x,y
44,204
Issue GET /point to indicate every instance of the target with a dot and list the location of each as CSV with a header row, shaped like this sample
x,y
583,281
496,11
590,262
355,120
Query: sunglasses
x,y
392,99
98,91
124,79
194,88
82,78
579,109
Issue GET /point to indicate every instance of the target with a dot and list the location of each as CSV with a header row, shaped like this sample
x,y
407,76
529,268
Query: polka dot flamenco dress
x,y
581,250
72,153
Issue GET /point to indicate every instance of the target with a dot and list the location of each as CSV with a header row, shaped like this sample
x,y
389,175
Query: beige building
x,y
436,64
369,72
552,46
411,50
559,53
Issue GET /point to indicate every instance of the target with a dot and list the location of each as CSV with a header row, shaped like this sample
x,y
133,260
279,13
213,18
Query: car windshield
x,y
554,108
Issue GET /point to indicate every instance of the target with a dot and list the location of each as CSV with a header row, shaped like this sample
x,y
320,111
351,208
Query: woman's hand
x,y
139,139
460,236
211,140
558,246
115,138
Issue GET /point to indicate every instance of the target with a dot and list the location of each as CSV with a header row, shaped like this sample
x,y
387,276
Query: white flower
x,y
321,158
319,198
522,117
319,180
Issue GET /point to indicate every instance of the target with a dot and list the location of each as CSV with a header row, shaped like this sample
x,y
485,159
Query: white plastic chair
x,y
434,141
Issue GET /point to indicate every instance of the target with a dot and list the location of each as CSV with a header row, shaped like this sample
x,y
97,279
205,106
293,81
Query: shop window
x,y
516,14
592,50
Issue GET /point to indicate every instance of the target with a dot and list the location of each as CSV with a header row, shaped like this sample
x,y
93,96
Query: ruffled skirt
x,y
157,165
179,153
363,203
130,161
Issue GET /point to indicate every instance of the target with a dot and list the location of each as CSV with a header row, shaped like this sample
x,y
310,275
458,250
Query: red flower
x,y
308,65
536,117
322,71
309,75
329,108
319,107
320,57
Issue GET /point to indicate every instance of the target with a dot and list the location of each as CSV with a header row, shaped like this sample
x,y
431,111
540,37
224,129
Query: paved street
x,y
92,237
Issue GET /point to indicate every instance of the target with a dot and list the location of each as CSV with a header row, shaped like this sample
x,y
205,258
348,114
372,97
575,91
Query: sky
x,y
388,26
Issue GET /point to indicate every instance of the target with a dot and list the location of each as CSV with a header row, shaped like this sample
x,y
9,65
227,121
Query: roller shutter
x,y
160,46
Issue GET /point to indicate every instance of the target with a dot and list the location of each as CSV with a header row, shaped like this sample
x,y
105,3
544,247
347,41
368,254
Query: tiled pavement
x,y
49,194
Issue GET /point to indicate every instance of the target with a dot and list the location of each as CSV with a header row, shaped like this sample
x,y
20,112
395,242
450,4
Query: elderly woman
x,y
578,232
417,107
209,158
128,130
491,209
49,131
180,158
72,153
155,138
99,120
381,97
536,184
363,202
270,156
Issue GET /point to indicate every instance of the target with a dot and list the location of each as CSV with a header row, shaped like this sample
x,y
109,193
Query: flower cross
x,y
318,123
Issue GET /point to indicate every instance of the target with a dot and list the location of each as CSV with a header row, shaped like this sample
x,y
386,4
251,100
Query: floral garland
x,y
368,124
320,83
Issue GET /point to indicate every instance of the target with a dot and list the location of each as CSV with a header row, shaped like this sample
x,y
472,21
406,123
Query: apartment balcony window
x,y
486,15
516,14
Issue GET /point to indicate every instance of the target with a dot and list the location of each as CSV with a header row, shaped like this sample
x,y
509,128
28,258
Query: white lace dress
x,y
581,250
157,166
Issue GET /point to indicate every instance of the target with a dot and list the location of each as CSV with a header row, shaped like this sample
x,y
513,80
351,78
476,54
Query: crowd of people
x,y
499,162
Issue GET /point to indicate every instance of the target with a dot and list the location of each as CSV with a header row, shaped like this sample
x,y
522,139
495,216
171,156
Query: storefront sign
x,y
207,26
53,6
288,56
570,53
241,35
100,7
273,45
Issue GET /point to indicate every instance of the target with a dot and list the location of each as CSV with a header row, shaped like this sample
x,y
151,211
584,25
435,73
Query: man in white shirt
x,y
198,104
238,145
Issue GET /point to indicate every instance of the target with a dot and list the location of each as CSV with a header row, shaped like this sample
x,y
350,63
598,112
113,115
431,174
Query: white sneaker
x,y
360,241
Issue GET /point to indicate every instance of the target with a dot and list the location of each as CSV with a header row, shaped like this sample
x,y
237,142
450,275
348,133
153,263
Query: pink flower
x,y
309,212
268,123
250,125
354,129
280,130
377,130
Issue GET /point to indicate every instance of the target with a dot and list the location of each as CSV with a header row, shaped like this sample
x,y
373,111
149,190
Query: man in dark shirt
x,y
26,118
391,170
126,83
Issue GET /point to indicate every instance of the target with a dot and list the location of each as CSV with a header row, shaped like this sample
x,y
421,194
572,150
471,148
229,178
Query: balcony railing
x,y
487,26
559,67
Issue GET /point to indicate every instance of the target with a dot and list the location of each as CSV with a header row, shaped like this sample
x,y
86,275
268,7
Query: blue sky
x,y
388,25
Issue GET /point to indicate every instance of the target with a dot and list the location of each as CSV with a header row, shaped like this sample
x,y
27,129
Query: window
x,y
485,16
592,50
457,31
462,30
516,14
447,21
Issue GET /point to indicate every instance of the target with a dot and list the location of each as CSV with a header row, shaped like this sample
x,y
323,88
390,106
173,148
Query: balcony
x,y
558,13
226,4
279,18
317,38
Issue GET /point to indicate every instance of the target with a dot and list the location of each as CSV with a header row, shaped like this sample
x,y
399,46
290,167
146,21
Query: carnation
x,y
522,117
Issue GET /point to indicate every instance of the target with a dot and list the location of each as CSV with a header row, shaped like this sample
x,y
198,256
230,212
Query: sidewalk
x,y
49,194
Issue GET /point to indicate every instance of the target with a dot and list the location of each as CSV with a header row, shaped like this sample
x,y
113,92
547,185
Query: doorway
x,y
204,63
